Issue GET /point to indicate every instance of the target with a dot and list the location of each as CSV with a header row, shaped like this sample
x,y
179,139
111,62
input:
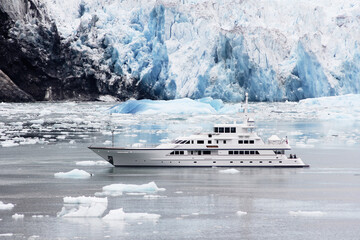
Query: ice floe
x,y
307,213
241,213
6,206
17,216
83,207
154,196
75,174
119,189
119,214
229,171
93,163
6,234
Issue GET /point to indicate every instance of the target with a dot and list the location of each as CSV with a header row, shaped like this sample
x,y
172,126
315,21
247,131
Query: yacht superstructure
x,y
229,145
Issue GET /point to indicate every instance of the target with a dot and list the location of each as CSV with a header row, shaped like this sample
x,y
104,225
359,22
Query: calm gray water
x,y
198,203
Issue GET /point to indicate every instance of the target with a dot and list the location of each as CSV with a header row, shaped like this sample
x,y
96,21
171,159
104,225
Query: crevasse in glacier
x,y
275,50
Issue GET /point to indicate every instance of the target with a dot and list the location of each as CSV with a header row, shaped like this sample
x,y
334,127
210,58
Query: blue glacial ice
x,y
177,106
194,49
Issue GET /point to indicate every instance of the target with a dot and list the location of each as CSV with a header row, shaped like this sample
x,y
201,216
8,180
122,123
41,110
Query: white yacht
x,y
229,145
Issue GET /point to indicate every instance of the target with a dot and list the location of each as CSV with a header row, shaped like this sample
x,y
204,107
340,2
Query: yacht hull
x,y
154,157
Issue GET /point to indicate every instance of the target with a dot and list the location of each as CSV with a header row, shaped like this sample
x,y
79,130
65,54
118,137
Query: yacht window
x,y
188,142
217,141
227,130
176,152
172,153
241,152
231,152
214,161
233,130
199,152
260,162
221,129
241,161
192,152
231,161
181,152
246,152
241,141
216,129
177,141
270,162
183,142
236,152
200,141
206,152
250,161
257,152
210,135
251,141
209,141
224,141
280,161
252,152
246,141
192,141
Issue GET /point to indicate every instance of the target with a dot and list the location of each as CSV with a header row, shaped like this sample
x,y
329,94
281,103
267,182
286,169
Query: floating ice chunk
x,y
136,194
241,213
6,206
307,213
119,214
295,133
107,142
6,234
93,163
229,171
304,145
138,145
107,98
154,196
119,189
9,143
84,200
87,207
179,192
94,210
37,216
195,214
17,216
75,173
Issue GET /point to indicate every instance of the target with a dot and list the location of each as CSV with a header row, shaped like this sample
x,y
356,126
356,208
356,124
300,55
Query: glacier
x,y
274,50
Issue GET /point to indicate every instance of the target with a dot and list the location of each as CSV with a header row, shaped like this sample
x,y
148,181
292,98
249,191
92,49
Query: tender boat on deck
x,y
229,145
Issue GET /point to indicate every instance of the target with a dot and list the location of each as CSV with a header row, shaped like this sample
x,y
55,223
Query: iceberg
x,y
307,213
6,206
241,213
119,214
229,171
17,216
84,207
74,174
177,106
93,163
119,189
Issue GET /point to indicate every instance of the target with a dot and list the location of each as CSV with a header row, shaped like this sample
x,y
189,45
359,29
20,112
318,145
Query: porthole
x,y
250,162
214,161
195,162
241,161
280,161
231,161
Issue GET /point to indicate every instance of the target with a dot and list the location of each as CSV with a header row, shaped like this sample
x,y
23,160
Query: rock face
x,y
10,92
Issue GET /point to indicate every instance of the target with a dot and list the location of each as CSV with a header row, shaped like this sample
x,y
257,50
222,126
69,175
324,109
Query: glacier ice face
x,y
275,50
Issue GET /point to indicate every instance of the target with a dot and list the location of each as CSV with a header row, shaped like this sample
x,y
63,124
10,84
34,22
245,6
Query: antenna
x,y
246,103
